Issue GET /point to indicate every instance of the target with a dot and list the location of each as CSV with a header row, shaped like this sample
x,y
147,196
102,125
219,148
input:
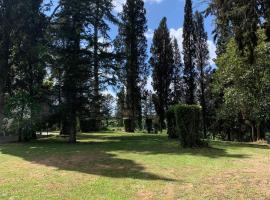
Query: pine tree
x,y
9,20
132,35
177,80
102,14
189,54
29,59
70,25
229,14
202,57
162,63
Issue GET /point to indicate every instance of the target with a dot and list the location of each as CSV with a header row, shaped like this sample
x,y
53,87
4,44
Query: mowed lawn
x,y
136,166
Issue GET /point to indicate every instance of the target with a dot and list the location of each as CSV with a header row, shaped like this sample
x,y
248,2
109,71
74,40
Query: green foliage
x,y
188,120
177,86
171,123
189,53
245,87
133,45
231,23
162,63
23,115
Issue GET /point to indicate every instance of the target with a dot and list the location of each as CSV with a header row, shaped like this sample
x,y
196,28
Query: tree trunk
x,y
252,133
229,135
73,128
129,125
258,130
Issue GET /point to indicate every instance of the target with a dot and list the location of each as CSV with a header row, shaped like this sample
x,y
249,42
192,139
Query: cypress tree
x,y
162,63
132,33
177,79
189,54
202,57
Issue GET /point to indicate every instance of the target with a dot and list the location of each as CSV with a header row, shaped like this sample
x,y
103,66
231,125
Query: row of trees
x,y
56,62
175,82
54,67
241,82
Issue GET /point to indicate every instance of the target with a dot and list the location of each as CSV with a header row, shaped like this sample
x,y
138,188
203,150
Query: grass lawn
x,y
136,166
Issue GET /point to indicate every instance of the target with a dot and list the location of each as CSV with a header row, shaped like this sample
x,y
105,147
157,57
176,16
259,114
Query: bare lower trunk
x,y
258,130
73,127
253,133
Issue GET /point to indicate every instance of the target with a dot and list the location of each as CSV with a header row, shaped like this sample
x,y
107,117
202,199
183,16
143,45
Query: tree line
x,y
57,62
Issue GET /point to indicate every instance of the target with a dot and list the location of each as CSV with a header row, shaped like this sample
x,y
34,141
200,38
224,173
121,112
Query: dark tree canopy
x,y
201,61
189,54
132,34
162,63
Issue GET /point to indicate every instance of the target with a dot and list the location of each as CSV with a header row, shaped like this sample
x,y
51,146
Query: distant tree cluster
x,y
176,82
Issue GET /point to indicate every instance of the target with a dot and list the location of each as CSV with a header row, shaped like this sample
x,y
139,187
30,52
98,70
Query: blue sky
x,y
174,11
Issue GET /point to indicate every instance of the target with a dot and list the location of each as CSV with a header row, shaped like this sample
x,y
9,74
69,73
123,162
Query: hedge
x,y
184,122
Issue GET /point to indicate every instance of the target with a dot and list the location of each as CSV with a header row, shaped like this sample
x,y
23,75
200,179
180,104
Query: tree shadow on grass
x,y
80,158
99,158
241,145
154,144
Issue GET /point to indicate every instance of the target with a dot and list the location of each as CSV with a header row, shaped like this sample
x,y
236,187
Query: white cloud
x,y
149,83
212,52
149,34
119,3
178,34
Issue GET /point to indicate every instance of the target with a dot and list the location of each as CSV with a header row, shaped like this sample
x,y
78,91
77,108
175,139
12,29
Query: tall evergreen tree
x,y
177,79
70,25
189,54
29,57
162,63
132,34
202,57
102,14
9,20
243,18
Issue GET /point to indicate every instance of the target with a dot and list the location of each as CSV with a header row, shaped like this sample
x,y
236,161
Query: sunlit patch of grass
x,y
113,165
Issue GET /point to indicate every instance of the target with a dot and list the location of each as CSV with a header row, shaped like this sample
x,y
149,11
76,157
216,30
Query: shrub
x,y
129,125
171,123
188,118
87,125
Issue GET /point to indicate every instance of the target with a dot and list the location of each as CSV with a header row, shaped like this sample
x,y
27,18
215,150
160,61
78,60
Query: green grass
x,y
136,166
